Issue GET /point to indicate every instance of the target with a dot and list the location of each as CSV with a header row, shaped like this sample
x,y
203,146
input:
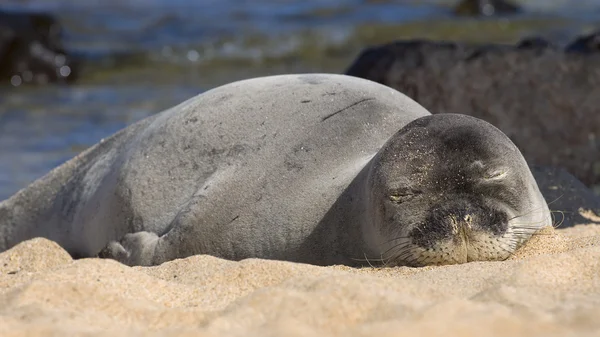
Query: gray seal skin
x,y
315,168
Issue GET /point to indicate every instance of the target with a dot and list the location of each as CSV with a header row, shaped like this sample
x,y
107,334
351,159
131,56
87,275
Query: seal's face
x,y
451,189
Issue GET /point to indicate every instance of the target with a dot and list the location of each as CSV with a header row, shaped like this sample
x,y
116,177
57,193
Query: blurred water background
x,y
146,55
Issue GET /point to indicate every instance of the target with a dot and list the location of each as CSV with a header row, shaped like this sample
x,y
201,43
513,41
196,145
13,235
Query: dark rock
x,y
31,50
566,196
535,43
485,8
589,43
544,99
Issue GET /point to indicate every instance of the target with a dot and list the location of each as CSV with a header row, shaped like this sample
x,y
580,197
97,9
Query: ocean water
x,y
142,56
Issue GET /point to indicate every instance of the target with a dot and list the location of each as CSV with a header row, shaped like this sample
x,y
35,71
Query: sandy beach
x,y
550,287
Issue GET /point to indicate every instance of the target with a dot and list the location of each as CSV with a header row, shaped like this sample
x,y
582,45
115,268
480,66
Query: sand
x,y
551,287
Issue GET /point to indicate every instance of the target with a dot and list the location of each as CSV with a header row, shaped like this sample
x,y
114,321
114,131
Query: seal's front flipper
x,y
135,249
183,239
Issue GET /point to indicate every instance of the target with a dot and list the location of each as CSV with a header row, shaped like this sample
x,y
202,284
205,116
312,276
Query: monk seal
x,y
314,168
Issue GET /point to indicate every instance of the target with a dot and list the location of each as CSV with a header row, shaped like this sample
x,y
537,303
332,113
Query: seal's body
x,y
310,168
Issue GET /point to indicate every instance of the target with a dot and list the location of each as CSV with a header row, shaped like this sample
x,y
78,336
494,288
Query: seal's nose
x,y
460,223
462,226
453,223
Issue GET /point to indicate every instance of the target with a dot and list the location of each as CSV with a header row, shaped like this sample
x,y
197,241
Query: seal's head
x,y
448,189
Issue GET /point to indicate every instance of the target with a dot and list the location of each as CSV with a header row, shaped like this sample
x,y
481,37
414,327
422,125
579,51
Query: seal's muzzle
x,y
459,221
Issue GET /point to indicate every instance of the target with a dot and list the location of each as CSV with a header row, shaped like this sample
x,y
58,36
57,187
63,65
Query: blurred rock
x,y
588,43
544,99
485,8
31,50
535,43
568,198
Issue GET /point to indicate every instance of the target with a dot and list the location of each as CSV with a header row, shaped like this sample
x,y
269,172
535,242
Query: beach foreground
x,y
550,287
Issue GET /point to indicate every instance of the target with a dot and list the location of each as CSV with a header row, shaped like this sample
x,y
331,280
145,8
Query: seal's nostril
x,y
454,224
468,220
461,226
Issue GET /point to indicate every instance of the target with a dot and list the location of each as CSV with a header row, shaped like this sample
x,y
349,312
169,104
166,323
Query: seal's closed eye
x,y
402,195
496,175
